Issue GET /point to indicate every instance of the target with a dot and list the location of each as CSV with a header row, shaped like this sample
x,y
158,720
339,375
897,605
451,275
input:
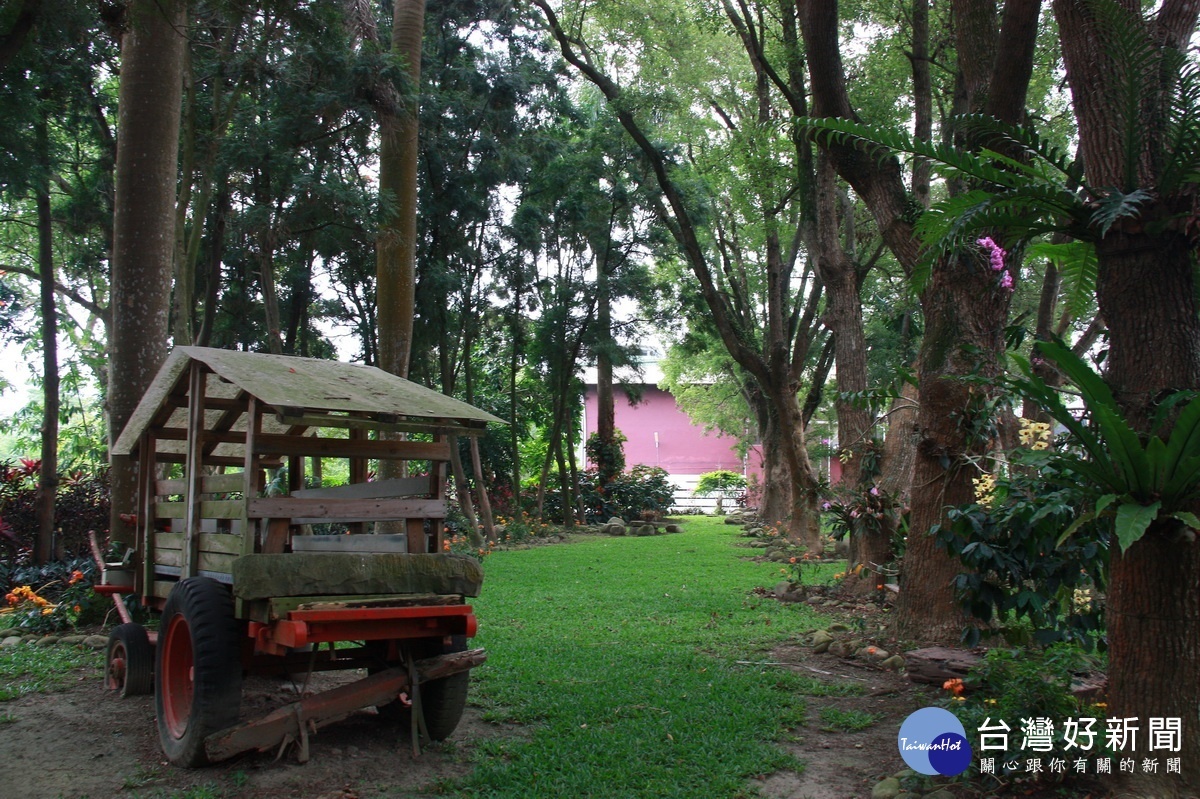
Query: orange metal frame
x,y
303,627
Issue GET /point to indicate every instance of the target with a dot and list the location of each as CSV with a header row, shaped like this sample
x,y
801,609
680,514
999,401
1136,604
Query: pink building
x,y
659,433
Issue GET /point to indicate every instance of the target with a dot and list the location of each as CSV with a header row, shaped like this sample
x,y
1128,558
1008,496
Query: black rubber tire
x,y
198,671
129,661
443,701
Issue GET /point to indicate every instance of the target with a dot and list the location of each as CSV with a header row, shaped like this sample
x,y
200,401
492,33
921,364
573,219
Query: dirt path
x,y
80,743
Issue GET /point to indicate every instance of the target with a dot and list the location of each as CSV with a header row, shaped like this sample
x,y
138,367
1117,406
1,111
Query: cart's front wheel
x,y
198,675
129,661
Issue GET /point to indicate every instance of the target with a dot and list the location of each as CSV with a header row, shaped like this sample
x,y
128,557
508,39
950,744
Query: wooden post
x,y
144,529
193,470
485,506
464,495
358,473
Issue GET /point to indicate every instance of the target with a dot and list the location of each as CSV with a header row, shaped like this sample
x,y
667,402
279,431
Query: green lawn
x,y
621,655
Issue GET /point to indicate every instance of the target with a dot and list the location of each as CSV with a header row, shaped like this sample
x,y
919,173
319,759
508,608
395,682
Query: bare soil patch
x,y
82,742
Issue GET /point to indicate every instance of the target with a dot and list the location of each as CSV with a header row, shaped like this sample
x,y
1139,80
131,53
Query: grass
x,y
27,669
627,659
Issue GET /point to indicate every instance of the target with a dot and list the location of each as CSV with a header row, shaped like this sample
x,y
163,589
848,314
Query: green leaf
x,y
1190,519
1133,520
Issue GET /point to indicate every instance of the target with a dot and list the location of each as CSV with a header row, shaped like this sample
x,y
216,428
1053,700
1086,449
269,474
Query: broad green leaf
x,y
1190,519
1133,520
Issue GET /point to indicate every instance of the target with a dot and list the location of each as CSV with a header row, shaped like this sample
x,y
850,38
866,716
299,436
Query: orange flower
x,y
791,560
76,576
955,686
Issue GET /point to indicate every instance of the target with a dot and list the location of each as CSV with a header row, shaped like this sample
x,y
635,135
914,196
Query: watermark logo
x,y
933,741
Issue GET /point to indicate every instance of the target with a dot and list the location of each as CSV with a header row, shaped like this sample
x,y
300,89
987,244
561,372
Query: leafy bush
x,y
53,597
82,504
724,483
1018,687
1018,575
644,492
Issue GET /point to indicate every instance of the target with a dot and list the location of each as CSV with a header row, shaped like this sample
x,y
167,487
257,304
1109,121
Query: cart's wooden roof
x,y
330,393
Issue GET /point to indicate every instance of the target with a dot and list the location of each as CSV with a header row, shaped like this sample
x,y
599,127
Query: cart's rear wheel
x,y
198,675
442,701
129,661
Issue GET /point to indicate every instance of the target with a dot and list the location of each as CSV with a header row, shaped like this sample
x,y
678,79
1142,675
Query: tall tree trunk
x,y
1147,294
607,465
843,317
152,50
43,545
396,246
1147,297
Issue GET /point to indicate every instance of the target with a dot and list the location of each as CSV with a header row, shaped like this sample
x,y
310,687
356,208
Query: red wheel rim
x,y
116,667
177,677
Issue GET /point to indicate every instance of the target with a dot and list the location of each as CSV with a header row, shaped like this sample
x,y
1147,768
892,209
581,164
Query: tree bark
x,y
396,246
1146,292
152,50
43,545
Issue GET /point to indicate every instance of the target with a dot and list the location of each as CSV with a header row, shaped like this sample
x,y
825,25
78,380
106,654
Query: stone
x,y
72,640
46,640
895,663
96,641
839,627
777,555
822,647
617,520
821,636
674,528
646,529
886,789
840,649
11,641
760,544
782,589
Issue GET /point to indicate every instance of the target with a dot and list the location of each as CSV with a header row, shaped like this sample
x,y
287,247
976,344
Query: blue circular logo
x,y
933,741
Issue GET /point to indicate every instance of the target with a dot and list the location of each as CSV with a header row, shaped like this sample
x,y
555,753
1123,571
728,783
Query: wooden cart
x,y
254,573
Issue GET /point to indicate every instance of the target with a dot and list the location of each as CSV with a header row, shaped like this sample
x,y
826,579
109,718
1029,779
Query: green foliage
x,y
1134,480
1017,686
722,481
50,598
1015,575
81,504
607,456
642,492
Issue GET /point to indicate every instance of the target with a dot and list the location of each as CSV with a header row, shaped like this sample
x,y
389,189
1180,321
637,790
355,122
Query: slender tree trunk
x,y
396,247
43,545
843,317
152,50
606,425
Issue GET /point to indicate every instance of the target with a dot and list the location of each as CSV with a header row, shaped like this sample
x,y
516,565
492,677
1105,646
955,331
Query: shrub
x,y
82,504
723,483
644,492
1021,574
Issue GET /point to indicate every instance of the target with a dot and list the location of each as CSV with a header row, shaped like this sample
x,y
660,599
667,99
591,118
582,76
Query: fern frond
x,y
1115,205
944,159
1078,266
997,135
